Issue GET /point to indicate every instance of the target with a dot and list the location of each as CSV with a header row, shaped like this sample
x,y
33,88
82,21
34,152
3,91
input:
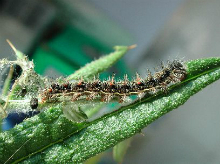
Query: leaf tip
x,y
121,48
132,46
11,45
18,54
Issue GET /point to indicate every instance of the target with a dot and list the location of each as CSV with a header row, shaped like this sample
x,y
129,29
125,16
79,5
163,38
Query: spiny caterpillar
x,y
173,73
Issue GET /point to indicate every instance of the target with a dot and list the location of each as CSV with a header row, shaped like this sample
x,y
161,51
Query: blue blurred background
x,y
63,35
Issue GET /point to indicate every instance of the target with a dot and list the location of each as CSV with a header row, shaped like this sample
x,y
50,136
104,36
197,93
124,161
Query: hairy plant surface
x,y
51,138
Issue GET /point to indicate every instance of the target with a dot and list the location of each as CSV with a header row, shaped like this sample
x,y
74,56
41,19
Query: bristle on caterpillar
x,y
173,73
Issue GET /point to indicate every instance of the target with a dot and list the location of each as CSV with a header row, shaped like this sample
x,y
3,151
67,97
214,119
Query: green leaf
x,y
49,127
120,150
41,131
73,112
50,138
95,159
119,125
101,64
7,84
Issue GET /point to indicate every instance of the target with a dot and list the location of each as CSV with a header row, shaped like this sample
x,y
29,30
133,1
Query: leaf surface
x,y
107,131
50,126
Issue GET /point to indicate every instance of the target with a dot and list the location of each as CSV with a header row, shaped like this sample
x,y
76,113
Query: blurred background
x,y
63,35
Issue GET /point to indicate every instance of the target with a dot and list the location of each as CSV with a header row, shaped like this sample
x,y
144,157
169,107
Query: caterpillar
x,y
110,89
173,73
